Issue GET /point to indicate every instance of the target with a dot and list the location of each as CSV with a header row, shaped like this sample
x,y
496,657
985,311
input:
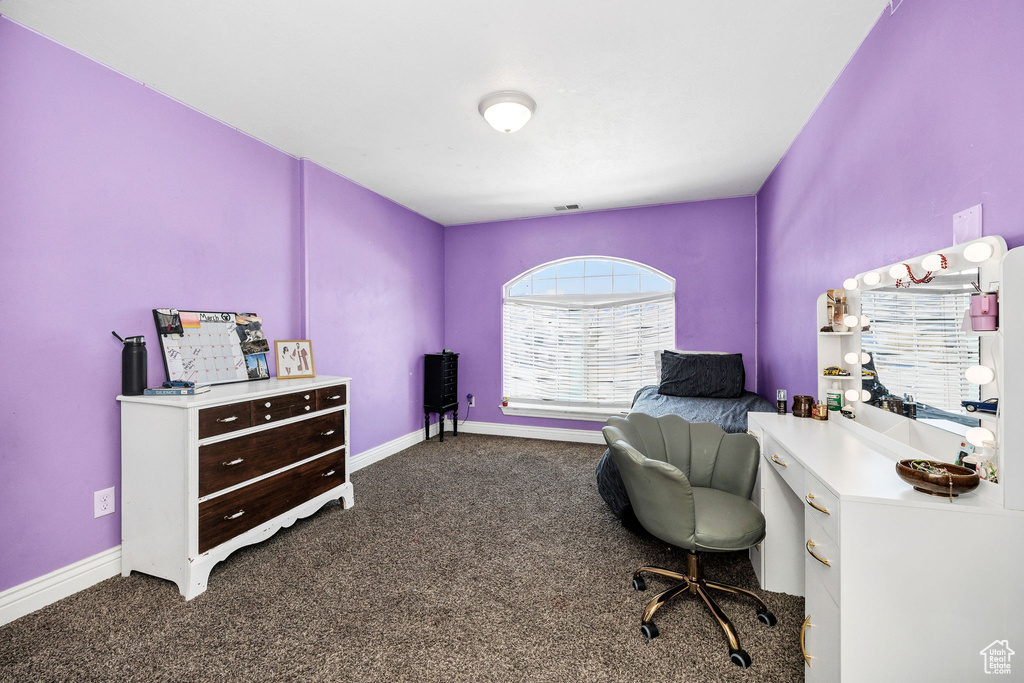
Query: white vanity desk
x,y
916,586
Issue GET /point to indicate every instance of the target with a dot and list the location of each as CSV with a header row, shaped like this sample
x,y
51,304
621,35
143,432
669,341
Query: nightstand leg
x,y
455,422
426,426
440,424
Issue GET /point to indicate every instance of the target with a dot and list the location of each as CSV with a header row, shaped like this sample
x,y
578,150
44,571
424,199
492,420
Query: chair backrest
x,y
706,455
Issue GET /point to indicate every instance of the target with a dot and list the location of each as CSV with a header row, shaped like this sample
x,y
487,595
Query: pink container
x,y
984,312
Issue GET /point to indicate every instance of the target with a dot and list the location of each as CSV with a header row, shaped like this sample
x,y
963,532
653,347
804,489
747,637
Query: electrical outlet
x,y
103,502
471,400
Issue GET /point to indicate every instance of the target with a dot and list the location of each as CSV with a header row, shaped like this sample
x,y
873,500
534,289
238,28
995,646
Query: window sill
x,y
564,412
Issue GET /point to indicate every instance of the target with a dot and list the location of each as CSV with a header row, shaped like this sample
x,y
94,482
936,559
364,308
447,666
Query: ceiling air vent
x,y
568,207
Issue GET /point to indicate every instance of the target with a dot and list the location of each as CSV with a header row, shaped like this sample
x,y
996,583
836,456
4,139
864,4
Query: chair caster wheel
x,y
740,658
639,584
650,632
767,618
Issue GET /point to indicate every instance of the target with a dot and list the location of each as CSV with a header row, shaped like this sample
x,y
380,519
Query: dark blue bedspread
x,y
728,413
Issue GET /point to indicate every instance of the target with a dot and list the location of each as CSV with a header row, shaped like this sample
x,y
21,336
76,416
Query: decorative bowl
x,y
937,478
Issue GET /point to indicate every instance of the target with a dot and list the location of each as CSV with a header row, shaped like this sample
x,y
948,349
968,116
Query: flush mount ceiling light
x,y
507,111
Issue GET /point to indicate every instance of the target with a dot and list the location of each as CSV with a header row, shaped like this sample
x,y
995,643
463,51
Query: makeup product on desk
x,y
834,397
780,401
802,405
820,411
909,407
984,312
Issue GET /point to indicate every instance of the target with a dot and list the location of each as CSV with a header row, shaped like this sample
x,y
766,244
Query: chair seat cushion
x,y
725,521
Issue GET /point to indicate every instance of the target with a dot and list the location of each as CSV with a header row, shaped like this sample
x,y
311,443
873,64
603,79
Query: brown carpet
x,y
480,559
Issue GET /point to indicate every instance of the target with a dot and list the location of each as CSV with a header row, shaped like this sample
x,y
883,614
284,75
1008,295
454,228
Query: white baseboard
x,y
368,457
528,432
26,598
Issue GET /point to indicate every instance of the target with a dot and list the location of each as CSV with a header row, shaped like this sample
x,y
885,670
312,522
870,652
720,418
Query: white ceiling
x,y
637,102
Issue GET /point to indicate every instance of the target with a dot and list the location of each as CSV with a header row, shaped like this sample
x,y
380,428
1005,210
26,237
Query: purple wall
x,y
376,301
707,246
103,183
924,122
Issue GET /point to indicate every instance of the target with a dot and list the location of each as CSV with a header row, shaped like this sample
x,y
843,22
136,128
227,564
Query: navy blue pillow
x,y
702,375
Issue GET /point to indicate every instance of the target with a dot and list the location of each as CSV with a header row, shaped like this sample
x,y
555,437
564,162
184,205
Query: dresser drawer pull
x,y
327,433
307,407
266,417
227,419
236,461
327,474
810,498
306,397
752,433
267,404
775,459
803,645
812,544
334,398
236,515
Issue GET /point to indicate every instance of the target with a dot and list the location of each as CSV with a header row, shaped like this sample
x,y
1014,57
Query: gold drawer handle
x,y
327,474
227,419
803,646
752,433
236,461
236,515
809,498
334,398
775,459
812,544
327,433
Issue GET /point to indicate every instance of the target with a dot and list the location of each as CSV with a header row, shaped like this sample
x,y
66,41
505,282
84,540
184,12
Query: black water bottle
x,y
133,366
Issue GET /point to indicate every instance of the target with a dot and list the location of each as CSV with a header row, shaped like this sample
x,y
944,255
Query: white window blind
x,y
585,349
919,348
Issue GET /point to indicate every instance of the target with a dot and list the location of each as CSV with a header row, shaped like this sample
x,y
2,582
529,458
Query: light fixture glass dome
x,y
507,111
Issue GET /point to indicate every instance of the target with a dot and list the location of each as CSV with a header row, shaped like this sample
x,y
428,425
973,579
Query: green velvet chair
x,y
690,486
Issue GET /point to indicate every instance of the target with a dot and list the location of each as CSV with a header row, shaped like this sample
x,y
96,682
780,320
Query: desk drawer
x,y
819,635
275,408
224,419
822,504
331,397
822,555
784,463
227,516
231,462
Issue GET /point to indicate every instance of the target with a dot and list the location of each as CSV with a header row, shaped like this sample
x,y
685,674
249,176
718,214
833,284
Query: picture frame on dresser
x,y
294,358
205,475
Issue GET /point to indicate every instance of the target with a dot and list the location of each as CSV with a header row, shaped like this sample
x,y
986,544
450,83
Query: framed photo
x,y
294,358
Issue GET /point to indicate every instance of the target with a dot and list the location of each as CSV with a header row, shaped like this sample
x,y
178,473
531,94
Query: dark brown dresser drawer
x,y
231,462
224,419
275,408
227,516
330,397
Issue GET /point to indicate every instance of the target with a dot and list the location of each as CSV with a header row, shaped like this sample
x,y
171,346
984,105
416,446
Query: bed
x,y
728,413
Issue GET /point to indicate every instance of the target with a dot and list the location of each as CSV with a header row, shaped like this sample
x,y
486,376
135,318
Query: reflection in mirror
x,y
920,351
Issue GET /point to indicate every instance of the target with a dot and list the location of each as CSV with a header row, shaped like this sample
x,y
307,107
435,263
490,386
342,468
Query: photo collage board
x,y
212,347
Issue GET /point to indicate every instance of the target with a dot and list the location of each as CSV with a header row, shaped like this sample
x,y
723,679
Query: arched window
x,y
583,331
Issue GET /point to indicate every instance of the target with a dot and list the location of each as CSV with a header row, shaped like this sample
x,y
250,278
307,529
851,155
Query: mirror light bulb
x,y
852,394
898,272
978,252
872,279
850,283
851,321
865,358
851,358
979,374
932,262
979,435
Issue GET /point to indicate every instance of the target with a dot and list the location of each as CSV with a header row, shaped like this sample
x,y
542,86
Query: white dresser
x,y
899,585
204,475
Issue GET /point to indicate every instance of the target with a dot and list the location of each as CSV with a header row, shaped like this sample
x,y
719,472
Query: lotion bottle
x,y
834,397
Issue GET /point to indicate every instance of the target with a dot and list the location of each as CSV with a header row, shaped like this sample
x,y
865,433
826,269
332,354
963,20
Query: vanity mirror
x,y
921,369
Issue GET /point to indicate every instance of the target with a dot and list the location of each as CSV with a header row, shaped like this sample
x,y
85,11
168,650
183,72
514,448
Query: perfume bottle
x,y
780,401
